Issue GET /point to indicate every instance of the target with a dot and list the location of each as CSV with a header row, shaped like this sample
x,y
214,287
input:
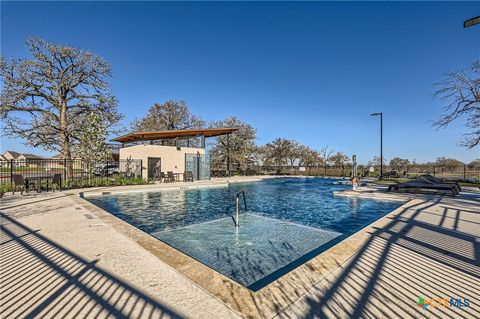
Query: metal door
x,y
154,167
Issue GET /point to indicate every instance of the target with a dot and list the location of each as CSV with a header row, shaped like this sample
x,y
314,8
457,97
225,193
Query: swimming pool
x,y
289,221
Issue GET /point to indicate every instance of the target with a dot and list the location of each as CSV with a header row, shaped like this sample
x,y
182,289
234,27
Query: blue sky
x,y
306,71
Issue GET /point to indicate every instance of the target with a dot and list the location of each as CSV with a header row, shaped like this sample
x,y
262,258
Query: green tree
x,y
340,159
45,100
448,164
399,164
92,146
171,115
282,152
239,146
460,91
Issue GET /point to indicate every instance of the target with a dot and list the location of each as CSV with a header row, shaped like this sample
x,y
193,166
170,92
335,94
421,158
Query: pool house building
x,y
176,151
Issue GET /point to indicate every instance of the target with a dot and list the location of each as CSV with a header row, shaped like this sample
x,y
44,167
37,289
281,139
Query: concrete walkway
x,y
58,259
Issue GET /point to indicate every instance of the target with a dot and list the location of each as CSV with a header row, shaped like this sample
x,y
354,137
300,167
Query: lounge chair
x,y
188,176
434,180
421,184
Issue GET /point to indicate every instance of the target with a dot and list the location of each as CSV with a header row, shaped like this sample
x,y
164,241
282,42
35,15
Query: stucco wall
x,y
172,158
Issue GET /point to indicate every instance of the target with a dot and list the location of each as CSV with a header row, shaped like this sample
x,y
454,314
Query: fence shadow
x,y
406,259
41,279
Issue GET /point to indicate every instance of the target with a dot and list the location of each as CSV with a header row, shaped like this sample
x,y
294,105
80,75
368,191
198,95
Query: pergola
x,y
174,134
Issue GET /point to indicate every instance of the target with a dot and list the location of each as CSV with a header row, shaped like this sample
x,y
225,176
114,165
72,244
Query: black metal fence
x,y
74,173
456,172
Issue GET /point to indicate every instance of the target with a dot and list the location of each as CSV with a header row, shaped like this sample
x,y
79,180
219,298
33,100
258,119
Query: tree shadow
x,y
41,279
405,259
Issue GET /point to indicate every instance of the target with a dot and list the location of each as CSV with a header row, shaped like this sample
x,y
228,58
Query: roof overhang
x,y
161,135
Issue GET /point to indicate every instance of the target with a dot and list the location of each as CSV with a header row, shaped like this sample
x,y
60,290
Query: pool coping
x,y
267,301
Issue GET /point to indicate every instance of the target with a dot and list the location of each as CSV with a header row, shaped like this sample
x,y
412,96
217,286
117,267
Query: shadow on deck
x,y
41,279
414,255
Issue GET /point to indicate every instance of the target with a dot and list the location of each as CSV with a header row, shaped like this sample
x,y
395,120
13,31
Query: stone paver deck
x,y
59,261
59,257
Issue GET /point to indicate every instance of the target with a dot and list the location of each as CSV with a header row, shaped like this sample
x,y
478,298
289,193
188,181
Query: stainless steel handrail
x,y
237,203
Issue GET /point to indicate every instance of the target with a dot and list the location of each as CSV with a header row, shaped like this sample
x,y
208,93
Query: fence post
x,y
464,171
433,169
64,169
141,168
11,171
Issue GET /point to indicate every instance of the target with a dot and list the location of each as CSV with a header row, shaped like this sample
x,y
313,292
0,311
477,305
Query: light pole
x,y
381,141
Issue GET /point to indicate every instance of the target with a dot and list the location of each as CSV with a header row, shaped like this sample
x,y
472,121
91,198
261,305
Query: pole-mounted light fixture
x,y
381,141
471,22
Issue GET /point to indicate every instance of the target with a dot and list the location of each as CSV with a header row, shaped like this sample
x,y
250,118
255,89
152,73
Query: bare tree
x,y
258,155
45,100
326,154
461,94
375,162
171,115
308,157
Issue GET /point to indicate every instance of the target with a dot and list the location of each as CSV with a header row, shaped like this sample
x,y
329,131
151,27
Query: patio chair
x,y
18,181
56,180
170,177
163,178
421,184
432,179
188,176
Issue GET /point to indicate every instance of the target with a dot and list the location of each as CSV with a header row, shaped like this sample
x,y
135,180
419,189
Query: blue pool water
x,y
289,221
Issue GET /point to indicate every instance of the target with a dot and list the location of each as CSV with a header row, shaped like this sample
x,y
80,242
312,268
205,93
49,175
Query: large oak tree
x,y
168,116
46,99
237,147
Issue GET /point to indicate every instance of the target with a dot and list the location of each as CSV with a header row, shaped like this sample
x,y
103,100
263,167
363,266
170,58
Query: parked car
x,y
106,170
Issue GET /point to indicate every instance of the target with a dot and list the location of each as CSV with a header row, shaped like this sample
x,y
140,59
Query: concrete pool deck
x,y
62,255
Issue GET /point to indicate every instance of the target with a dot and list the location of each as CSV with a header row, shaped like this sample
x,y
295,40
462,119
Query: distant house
x,y
59,156
75,156
23,159
9,155
29,157
4,161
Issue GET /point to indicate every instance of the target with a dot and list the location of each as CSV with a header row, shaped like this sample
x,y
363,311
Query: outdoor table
x,y
38,178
